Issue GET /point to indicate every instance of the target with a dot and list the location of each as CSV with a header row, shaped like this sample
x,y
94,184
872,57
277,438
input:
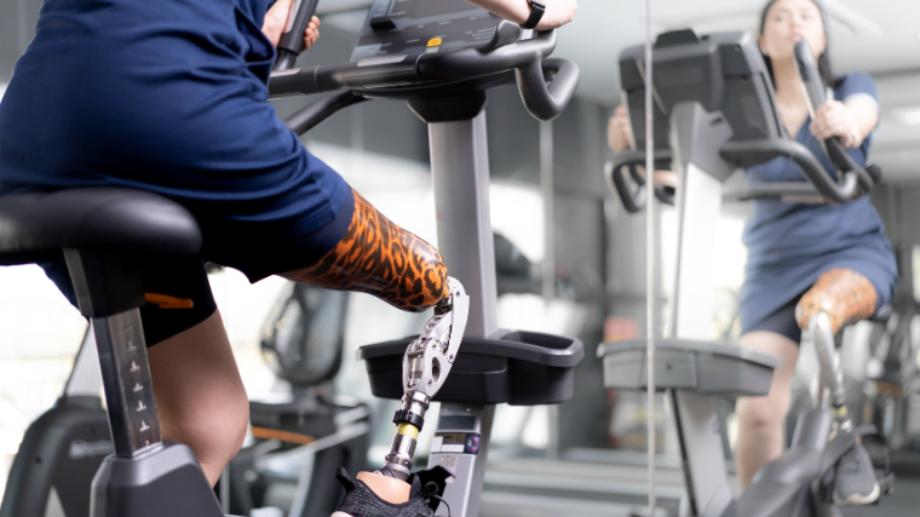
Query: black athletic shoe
x,y
855,483
424,498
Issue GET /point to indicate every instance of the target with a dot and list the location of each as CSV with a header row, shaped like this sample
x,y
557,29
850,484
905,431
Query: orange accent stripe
x,y
164,301
266,433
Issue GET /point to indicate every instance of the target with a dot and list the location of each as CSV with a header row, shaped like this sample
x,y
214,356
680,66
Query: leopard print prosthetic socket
x,y
383,259
843,294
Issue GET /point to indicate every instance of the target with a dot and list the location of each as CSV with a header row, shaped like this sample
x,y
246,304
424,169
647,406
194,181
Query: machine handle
x,y
545,101
437,66
842,161
633,198
312,115
756,151
291,43
526,58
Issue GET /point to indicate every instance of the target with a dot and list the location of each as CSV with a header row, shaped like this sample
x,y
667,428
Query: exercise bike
x,y
442,59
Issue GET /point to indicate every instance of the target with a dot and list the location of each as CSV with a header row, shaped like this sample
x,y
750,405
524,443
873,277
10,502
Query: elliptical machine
x,y
716,110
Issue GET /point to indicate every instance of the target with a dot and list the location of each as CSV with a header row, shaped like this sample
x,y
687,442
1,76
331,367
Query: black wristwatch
x,y
537,9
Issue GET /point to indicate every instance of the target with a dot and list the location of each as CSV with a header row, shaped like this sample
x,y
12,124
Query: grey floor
x,y
538,488
904,502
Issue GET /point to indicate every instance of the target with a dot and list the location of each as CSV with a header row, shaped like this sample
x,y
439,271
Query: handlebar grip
x,y
808,73
740,152
546,101
840,191
291,43
626,164
666,194
633,200
817,96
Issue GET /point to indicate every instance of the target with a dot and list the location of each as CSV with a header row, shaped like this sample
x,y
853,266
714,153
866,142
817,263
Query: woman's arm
x,y
558,12
619,130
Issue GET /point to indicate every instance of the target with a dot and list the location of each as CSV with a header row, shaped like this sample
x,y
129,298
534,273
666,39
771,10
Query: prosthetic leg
x,y
394,490
840,296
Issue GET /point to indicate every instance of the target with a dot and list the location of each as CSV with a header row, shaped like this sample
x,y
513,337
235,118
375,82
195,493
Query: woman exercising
x,y
804,259
171,97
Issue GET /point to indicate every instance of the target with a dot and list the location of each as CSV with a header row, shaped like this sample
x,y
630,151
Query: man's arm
x,y
558,12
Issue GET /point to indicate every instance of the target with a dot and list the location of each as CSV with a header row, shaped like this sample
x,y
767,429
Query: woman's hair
x,y
824,60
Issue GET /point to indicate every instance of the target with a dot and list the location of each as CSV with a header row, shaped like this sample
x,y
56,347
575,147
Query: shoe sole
x,y
859,499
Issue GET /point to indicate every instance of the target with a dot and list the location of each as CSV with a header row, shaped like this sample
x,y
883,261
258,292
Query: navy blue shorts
x,y
781,321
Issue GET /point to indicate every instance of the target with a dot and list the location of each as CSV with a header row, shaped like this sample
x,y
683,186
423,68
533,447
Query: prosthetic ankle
x,y
426,365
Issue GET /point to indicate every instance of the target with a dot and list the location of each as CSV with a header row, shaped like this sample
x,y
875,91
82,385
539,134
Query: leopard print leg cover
x,y
380,258
843,294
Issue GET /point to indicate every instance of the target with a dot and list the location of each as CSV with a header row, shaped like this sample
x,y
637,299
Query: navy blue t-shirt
x,y
168,96
790,245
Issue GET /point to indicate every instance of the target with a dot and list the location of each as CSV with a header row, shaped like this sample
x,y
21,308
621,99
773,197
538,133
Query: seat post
x,y
127,382
109,291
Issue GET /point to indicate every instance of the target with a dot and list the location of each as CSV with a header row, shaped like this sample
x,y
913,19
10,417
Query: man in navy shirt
x,y
171,97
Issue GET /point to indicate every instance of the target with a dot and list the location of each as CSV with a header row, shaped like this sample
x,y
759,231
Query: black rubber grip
x,y
291,43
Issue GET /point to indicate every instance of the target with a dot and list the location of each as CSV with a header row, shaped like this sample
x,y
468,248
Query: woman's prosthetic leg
x,y
839,297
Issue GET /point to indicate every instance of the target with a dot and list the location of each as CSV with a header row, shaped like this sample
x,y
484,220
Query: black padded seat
x,y
36,226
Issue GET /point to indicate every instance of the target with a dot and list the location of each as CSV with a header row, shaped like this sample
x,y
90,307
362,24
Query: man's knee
x,y
234,425
217,437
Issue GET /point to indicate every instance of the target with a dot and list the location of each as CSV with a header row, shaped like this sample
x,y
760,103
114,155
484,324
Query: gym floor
x,y
903,502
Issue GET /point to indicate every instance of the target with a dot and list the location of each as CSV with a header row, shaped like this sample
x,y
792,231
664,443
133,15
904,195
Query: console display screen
x,y
426,8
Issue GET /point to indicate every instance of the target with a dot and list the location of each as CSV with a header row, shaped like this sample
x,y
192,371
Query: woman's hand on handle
x,y
833,119
851,121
